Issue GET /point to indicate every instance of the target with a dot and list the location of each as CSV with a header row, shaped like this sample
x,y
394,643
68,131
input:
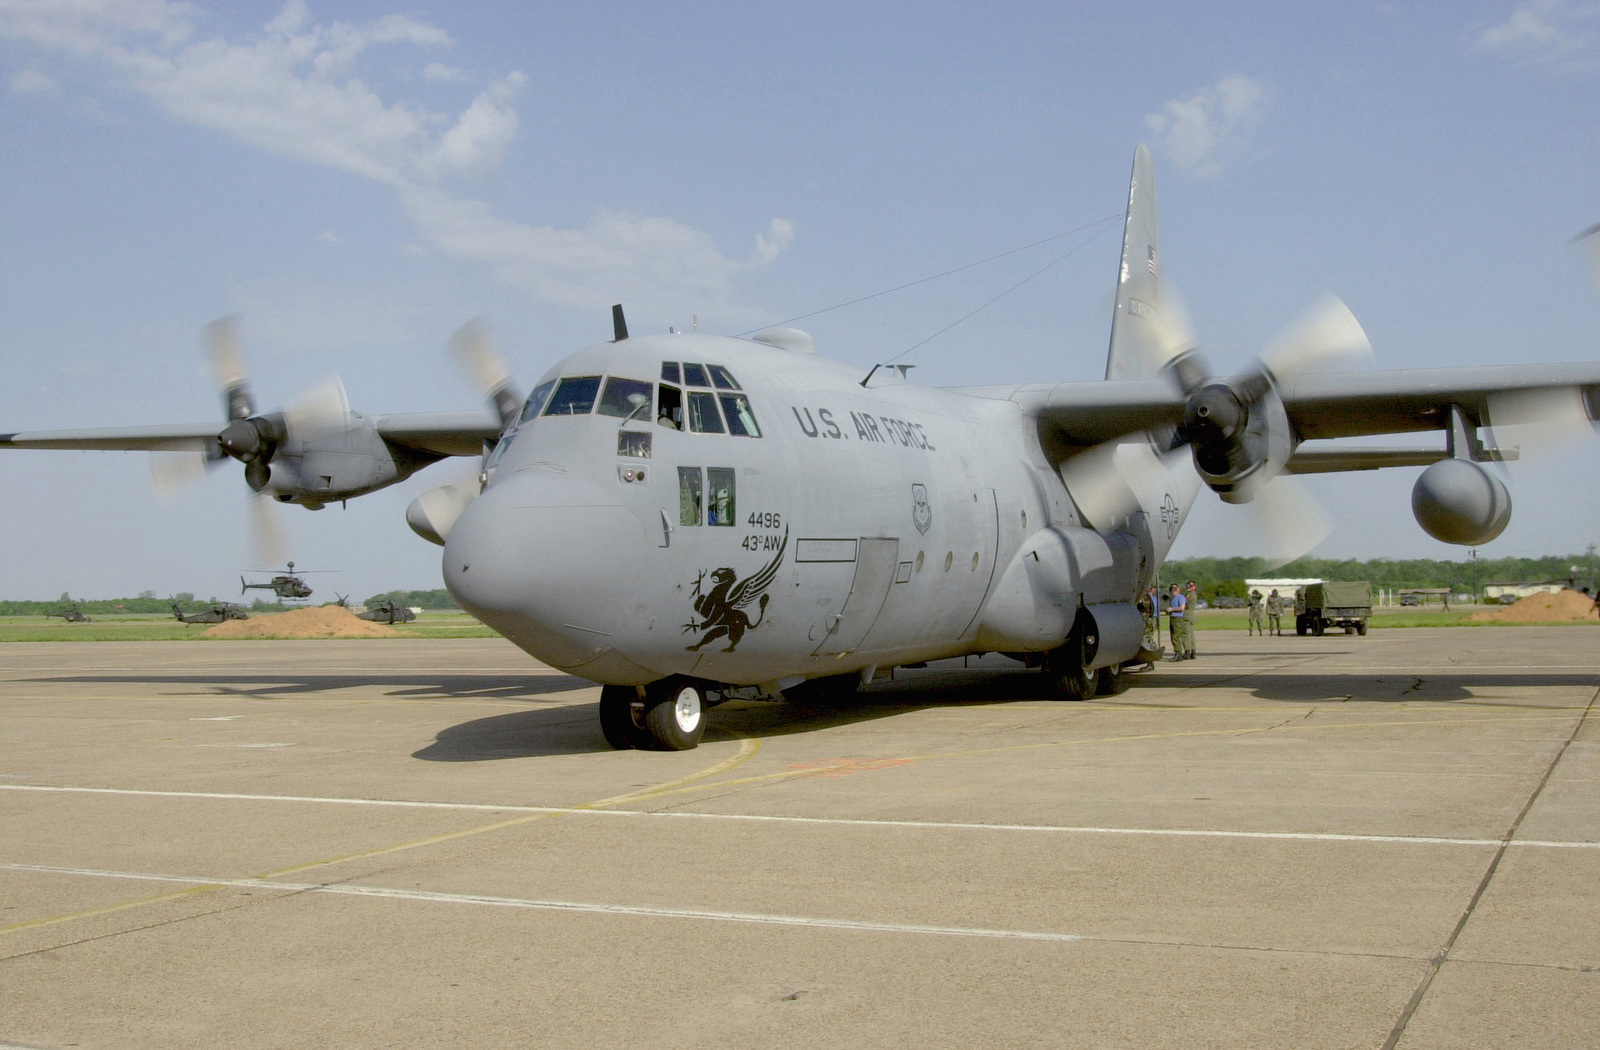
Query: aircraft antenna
x,y
619,324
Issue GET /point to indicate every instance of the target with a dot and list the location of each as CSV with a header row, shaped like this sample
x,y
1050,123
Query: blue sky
x,y
358,179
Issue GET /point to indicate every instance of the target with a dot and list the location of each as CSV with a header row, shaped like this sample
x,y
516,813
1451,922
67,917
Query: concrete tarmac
x,y
1288,842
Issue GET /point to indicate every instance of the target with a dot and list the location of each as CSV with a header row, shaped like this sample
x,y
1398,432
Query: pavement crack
x,y
1443,954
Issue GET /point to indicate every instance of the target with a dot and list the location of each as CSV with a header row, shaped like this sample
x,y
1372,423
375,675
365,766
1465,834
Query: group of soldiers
x,y
1179,605
1274,609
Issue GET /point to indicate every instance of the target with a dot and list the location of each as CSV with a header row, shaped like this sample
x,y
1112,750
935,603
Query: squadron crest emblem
x,y
921,512
721,609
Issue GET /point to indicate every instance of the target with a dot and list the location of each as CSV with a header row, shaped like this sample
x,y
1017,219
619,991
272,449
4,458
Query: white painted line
x,y
349,890
914,825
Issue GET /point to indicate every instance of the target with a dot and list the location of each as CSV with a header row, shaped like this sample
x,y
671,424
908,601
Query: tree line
x,y
1225,576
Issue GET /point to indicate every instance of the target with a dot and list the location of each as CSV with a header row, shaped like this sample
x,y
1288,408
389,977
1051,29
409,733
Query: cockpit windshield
x,y
626,397
536,400
574,397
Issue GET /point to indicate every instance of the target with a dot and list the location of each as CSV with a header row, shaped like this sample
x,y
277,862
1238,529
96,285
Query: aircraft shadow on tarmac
x,y
402,687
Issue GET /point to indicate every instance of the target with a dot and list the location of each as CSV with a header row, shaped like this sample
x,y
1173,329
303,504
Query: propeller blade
x,y
1588,243
220,339
1540,422
1325,337
269,540
320,408
1288,520
172,472
475,348
1109,482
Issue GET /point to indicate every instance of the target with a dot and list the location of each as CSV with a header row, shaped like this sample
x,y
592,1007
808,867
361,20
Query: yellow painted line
x,y
853,764
748,748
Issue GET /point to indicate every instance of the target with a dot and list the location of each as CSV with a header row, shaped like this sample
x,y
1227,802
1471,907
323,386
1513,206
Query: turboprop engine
x,y
1460,501
1239,434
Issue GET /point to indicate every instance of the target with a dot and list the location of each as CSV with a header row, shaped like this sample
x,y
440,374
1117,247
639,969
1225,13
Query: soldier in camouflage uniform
x,y
1275,612
1255,614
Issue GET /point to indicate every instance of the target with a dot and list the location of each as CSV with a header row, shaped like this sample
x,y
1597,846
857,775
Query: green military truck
x,y
1320,606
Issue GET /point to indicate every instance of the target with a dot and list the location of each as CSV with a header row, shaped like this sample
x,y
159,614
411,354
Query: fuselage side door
x,y
876,559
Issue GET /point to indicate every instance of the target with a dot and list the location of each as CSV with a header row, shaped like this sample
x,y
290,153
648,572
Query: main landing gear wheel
x,y
674,714
1109,680
620,713
1064,674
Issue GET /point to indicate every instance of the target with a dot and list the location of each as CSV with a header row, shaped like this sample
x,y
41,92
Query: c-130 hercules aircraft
x,y
689,518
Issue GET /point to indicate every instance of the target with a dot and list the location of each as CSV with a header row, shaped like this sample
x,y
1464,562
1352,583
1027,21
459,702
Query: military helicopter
x,y
689,518
286,584
388,611
218,612
71,614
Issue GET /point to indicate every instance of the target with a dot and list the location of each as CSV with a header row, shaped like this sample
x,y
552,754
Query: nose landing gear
x,y
668,715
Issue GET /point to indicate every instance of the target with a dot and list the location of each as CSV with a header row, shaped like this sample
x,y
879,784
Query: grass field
x,y
148,627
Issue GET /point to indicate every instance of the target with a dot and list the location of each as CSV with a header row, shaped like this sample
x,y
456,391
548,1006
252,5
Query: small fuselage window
x,y
694,375
633,443
722,377
574,397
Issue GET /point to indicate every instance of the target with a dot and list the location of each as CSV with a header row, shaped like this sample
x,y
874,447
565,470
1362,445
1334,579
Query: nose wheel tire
x,y
674,714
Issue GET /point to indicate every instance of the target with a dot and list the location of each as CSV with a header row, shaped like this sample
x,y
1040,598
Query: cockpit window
x,y
626,397
694,375
703,415
669,372
536,401
741,421
722,377
574,397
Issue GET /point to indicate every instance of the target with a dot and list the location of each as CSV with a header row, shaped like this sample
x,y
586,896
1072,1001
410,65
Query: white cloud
x,y
1199,132
31,82
1553,32
294,89
332,240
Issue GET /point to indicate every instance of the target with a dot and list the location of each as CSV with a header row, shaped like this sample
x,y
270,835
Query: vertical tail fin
x,y
1140,346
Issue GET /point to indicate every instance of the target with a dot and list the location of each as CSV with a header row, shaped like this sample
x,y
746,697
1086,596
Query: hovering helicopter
x,y
688,518
71,614
218,612
388,611
286,584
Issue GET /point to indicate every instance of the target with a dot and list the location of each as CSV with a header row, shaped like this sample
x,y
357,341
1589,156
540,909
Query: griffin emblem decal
x,y
721,609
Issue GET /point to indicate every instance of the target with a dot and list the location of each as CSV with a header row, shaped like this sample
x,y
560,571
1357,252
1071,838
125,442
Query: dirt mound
x,y
327,621
1563,605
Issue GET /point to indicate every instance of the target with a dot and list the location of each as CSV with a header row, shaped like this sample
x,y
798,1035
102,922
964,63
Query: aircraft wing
x,y
1319,404
434,433
166,438
441,433
1351,404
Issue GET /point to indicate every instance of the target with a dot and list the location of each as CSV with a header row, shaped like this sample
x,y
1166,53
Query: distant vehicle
x,y
1320,606
389,611
1410,599
284,585
1228,601
71,614
1507,599
216,614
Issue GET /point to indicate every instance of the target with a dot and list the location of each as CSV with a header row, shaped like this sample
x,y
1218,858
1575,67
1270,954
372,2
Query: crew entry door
x,y
876,559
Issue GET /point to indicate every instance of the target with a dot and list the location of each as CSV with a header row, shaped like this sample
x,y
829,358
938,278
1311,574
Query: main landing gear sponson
x,y
669,715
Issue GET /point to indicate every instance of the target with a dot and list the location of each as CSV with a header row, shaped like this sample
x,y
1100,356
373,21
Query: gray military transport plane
x,y
689,518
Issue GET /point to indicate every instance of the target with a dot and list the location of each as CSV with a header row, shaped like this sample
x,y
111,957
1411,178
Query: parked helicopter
x,y
286,584
71,614
388,611
218,612
688,518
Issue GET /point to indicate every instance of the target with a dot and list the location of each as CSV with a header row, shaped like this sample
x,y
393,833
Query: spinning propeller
x,y
1234,427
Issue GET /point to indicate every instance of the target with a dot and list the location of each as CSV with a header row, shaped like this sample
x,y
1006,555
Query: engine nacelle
x,y
432,514
1459,501
1240,437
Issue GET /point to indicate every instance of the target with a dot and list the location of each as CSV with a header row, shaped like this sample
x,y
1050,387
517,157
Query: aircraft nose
x,y
548,560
